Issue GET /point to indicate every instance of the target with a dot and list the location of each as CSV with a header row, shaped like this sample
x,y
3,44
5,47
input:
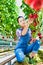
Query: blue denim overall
x,y
22,48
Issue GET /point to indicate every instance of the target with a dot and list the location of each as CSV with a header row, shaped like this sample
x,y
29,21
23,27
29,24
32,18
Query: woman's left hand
x,y
33,40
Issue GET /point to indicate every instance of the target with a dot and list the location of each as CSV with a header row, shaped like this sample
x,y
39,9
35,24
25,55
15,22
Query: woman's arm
x,y
27,24
25,29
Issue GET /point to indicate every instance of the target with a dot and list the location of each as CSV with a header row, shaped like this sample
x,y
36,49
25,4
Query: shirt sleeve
x,y
30,32
18,33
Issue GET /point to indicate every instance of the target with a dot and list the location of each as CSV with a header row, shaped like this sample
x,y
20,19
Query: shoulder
x,y
18,30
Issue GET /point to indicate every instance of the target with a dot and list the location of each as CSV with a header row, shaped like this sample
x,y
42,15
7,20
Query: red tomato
x,y
40,37
39,34
31,15
35,4
35,23
3,37
35,16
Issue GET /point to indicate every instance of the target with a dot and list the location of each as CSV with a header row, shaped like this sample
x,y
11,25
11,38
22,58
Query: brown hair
x,y
19,17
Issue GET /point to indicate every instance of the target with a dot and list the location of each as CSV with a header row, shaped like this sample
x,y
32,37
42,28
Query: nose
x,y
23,22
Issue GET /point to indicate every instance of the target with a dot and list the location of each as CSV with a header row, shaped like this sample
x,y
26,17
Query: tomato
x,y
35,4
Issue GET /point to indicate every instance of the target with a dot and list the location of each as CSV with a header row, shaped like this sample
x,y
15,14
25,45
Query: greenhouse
x,y
21,32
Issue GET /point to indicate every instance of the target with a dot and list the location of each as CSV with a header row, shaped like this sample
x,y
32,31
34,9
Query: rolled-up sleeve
x,y
18,33
30,32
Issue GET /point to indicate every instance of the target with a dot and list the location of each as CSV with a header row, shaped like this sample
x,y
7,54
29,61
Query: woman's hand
x,y
30,21
33,40
24,31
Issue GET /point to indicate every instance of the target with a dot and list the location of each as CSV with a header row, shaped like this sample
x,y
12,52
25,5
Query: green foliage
x,y
8,17
40,18
40,54
26,9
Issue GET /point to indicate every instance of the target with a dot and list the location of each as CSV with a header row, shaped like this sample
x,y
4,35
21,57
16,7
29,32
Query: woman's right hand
x,y
30,21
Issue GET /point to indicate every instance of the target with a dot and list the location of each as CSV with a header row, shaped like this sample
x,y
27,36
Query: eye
x,y
20,21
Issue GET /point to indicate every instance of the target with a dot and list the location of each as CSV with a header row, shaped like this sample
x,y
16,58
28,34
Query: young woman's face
x,y
21,22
